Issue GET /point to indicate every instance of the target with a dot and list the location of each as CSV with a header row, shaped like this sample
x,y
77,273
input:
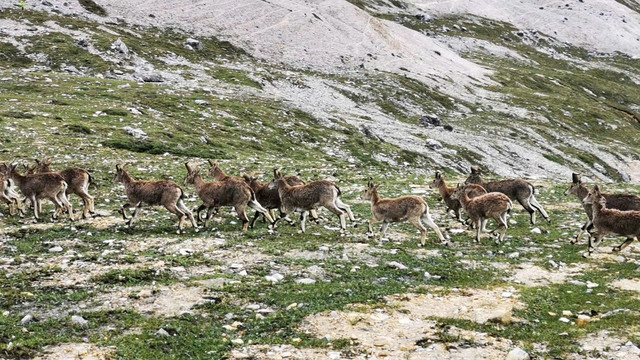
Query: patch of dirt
x,y
73,351
166,301
195,245
533,275
102,222
472,304
404,331
289,352
627,284
605,345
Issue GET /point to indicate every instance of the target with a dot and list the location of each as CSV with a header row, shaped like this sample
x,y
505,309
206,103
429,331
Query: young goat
x,y
411,208
224,193
10,197
493,205
606,221
614,201
41,186
269,198
445,192
515,189
304,198
78,181
153,193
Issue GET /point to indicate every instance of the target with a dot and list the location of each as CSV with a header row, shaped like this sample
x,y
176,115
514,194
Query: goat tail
x,y
337,188
91,181
510,207
253,195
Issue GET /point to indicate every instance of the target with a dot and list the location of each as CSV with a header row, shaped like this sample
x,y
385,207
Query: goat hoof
x,y
616,249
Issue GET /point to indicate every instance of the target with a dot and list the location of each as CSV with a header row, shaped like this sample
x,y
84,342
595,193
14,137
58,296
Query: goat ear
x,y
438,175
211,163
246,177
187,166
596,188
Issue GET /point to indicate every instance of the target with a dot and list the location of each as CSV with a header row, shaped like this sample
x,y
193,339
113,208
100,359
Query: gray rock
x,y
27,319
152,78
625,176
120,47
135,132
599,168
368,133
201,102
70,69
162,332
517,354
433,144
430,120
397,265
79,320
305,281
56,249
194,44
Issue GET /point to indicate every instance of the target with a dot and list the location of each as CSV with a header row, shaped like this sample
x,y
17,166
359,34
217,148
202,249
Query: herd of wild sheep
x,y
607,213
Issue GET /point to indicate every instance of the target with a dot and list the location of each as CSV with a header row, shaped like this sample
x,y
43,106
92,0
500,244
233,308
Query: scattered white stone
x,y
517,354
56,249
162,332
564,320
237,341
536,230
136,133
567,313
27,319
274,278
305,281
79,320
514,255
397,265
592,285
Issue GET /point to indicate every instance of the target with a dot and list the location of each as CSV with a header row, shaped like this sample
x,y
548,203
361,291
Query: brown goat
x,y
216,172
606,221
153,193
10,197
493,205
304,198
614,201
411,208
228,192
78,181
515,189
269,198
41,186
445,192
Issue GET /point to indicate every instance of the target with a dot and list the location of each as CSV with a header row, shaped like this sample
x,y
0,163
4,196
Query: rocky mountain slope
x,y
530,88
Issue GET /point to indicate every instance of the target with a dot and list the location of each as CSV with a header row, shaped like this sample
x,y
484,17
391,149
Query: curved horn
x,y
576,178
